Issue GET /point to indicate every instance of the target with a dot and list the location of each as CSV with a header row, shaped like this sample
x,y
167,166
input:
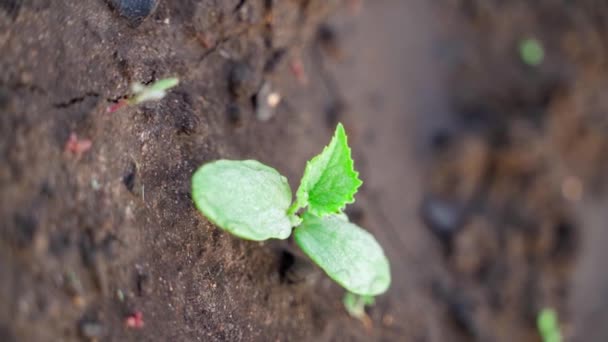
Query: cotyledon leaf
x,y
245,198
347,253
164,84
155,91
330,180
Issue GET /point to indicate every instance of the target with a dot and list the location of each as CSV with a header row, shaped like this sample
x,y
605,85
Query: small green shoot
x,y
548,325
531,52
254,202
143,93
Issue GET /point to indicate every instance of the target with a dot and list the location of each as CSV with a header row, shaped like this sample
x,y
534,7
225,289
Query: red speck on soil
x,y
77,146
135,320
116,106
297,68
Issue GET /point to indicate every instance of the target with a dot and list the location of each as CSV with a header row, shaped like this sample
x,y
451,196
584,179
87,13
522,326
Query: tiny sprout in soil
x,y
254,202
142,93
531,51
548,325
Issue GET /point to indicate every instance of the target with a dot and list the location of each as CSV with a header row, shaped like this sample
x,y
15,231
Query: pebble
x,y
242,81
267,101
91,329
444,218
134,10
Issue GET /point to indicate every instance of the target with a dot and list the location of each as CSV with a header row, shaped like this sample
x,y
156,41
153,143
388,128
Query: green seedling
x,y
548,325
143,93
254,202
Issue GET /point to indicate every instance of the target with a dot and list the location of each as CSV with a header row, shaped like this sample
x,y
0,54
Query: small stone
x,y
95,184
134,10
274,99
244,13
242,81
443,217
120,295
267,101
91,329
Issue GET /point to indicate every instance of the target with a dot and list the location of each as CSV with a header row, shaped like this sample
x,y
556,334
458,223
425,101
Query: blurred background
x,y
478,126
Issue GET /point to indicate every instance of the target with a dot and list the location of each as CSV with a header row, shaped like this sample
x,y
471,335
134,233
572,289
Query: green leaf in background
x,y
246,198
347,253
548,325
531,51
330,180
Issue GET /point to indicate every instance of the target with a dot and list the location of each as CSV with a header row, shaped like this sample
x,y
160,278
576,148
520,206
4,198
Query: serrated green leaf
x,y
347,253
245,198
330,180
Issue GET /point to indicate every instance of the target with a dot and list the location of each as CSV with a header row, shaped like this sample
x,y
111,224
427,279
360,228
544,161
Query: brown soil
x,y
484,177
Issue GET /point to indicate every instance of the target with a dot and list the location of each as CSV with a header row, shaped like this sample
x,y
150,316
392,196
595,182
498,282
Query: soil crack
x,y
75,100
